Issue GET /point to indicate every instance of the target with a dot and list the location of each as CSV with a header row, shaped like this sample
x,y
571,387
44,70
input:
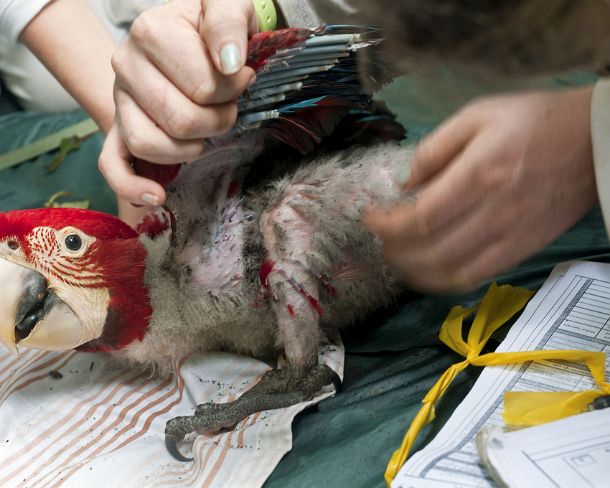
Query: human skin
x,y
91,84
494,184
178,76
67,53
210,94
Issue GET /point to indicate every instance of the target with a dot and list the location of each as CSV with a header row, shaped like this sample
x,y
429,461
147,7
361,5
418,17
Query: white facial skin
x,y
63,258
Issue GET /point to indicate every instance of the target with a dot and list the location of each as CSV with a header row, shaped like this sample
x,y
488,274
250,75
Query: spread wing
x,y
308,87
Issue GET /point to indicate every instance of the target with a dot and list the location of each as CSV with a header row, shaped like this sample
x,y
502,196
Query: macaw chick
x,y
236,261
275,266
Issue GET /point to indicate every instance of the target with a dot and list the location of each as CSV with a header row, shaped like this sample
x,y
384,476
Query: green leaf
x,y
48,143
66,145
53,201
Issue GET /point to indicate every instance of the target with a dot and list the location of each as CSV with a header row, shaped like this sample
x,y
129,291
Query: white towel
x,y
100,425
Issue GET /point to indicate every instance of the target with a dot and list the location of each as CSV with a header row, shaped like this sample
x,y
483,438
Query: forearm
x,y
74,45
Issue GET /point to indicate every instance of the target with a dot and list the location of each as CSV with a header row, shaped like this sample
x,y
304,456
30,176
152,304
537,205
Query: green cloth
x,y
391,361
30,185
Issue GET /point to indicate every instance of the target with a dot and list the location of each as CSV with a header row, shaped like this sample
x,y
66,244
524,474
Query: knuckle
x,y
106,170
230,118
142,29
439,258
102,165
203,92
478,103
223,119
442,256
477,109
514,212
425,152
219,27
118,61
138,146
182,125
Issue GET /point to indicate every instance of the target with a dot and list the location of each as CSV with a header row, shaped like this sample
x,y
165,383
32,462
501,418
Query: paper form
x,y
570,453
570,311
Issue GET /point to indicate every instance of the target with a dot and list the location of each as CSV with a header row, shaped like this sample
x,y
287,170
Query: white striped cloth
x,y
100,425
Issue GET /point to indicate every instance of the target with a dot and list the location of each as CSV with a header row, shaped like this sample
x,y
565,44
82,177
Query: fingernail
x,y
150,199
230,58
252,81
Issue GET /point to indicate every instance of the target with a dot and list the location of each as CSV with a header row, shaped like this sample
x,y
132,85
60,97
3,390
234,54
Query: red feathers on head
x,y
102,226
119,257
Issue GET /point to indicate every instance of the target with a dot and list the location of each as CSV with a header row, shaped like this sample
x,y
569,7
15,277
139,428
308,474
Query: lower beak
x,y
31,315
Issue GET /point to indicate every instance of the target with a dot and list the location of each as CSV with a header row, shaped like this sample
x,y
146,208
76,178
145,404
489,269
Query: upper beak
x,y
31,315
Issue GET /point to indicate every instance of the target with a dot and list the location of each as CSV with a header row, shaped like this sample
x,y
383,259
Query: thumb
x,y
225,29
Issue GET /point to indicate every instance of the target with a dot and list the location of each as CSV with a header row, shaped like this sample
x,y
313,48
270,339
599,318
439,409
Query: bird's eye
x,y
73,242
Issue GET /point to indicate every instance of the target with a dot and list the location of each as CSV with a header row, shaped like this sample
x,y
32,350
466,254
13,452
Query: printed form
x,y
568,453
570,311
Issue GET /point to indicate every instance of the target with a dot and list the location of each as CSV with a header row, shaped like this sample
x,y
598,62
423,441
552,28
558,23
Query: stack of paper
x,y
568,453
571,311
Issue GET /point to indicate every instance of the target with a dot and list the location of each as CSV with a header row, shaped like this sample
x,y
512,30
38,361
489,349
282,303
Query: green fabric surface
x,y
8,103
393,359
29,185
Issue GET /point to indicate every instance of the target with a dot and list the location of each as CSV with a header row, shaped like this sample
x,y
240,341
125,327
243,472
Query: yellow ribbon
x,y
499,304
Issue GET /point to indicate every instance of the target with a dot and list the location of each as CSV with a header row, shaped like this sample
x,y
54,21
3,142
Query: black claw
x,y
337,382
173,450
600,403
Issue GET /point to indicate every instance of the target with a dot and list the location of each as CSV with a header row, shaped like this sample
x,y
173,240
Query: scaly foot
x,y
278,388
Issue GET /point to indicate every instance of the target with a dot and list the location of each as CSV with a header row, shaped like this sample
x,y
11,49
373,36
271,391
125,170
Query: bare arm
x,y
74,45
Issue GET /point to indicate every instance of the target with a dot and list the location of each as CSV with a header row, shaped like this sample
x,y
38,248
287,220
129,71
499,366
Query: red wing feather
x,y
264,45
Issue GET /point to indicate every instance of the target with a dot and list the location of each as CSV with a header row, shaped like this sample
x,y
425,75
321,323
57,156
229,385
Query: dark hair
x,y
508,37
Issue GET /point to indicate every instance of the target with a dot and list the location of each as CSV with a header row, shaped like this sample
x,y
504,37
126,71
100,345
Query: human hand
x,y
494,184
178,76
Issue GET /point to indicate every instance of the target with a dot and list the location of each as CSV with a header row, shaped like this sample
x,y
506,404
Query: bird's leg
x,y
293,289
277,388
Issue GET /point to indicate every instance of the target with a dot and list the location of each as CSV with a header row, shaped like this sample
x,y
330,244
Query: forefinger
x,y
114,166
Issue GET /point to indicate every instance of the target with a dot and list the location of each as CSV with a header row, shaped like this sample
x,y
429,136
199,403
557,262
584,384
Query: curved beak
x,y
32,315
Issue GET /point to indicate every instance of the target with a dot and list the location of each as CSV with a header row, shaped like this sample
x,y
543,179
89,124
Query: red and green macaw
x,y
244,257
